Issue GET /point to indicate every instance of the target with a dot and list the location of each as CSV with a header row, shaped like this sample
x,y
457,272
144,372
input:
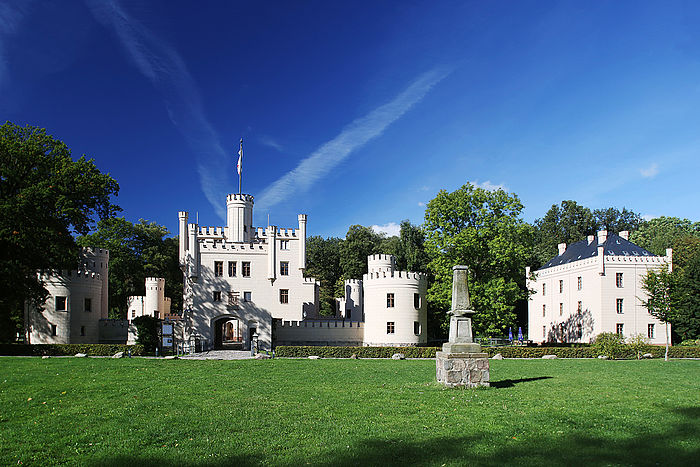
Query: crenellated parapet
x,y
240,197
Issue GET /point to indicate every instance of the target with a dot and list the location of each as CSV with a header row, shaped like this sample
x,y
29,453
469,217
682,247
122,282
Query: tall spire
x,y
240,166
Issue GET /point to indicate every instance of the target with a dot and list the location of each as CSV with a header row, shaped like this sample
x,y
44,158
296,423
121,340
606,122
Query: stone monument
x,y
461,362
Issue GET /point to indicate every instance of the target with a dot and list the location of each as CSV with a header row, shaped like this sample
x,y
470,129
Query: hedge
x,y
361,352
506,352
68,349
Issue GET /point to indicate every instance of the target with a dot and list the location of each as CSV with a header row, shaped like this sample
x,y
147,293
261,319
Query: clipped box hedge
x,y
506,352
68,349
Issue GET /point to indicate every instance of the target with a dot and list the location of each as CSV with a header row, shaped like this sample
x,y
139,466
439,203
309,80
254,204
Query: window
x,y
284,244
88,304
245,266
416,328
544,289
544,331
544,310
233,299
561,286
348,314
390,327
619,328
561,309
618,279
217,295
133,314
579,283
284,295
416,301
246,296
82,330
53,330
218,268
156,313
61,303
580,307
231,269
284,268
619,306
390,300
650,331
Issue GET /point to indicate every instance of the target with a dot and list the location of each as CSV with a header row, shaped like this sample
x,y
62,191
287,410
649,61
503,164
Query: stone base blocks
x,y
469,370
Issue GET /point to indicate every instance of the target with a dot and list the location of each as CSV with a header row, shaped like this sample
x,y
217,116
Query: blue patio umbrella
x,y
510,334
520,334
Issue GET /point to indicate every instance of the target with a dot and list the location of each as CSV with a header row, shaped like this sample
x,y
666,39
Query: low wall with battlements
x,y
318,332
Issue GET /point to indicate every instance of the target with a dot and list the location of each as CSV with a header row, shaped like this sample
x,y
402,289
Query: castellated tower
x,y
395,309
350,307
239,217
77,301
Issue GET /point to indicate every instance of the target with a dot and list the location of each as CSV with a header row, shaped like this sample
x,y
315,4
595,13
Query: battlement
x,y
397,275
311,280
155,282
236,197
211,232
92,251
356,282
183,214
380,258
325,323
287,233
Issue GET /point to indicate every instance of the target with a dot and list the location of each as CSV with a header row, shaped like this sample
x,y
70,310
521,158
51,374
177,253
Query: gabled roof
x,y
614,245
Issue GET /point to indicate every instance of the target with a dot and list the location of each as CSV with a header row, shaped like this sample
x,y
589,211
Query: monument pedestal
x,y
467,369
461,362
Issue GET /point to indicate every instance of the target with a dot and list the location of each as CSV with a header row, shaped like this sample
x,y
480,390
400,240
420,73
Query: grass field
x,y
346,412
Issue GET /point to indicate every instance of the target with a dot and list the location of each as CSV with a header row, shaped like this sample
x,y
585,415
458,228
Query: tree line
x,y
50,204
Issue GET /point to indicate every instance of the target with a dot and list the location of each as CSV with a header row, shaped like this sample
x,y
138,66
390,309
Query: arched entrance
x,y
228,333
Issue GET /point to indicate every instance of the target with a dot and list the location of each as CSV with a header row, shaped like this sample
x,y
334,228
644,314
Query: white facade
x,y
594,286
77,302
154,303
240,278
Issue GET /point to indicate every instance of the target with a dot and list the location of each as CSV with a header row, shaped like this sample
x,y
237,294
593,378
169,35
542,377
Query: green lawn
x,y
346,412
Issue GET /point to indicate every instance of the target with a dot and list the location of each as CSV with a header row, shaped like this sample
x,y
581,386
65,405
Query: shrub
x,y
68,349
690,343
637,342
361,352
610,344
147,332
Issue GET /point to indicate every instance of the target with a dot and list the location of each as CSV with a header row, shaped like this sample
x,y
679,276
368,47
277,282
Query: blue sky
x,y
359,112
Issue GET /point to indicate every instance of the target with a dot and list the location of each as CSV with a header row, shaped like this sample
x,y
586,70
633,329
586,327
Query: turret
x,y
192,256
182,236
302,241
155,297
377,264
271,252
239,217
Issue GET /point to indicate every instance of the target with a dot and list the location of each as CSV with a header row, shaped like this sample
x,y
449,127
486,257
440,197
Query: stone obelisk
x,y
461,362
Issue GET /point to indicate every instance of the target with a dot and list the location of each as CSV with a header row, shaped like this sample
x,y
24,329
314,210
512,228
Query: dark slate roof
x,y
614,246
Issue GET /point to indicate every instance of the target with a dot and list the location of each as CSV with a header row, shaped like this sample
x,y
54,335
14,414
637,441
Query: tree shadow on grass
x,y
676,443
509,383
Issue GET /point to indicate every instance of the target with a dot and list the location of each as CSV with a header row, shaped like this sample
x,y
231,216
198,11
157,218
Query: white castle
x,y
243,283
594,286
76,304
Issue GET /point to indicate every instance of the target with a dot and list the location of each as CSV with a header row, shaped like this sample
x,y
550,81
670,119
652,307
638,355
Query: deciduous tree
x,y
658,284
483,230
45,197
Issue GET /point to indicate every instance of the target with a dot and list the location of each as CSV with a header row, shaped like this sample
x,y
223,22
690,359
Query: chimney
x,y
625,234
562,248
590,239
602,236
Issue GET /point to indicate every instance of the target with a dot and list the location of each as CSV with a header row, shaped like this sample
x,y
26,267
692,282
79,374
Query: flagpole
x,y
240,166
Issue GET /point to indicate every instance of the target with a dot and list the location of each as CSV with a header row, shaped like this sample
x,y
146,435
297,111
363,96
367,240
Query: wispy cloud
x,y
390,229
651,171
648,217
488,186
10,18
267,141
166,70
352,137
421,204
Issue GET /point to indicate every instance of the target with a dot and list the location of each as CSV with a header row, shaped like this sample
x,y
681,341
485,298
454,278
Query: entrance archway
x,y
228,333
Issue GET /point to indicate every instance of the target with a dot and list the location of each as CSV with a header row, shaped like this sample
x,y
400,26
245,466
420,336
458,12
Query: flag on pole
x,y
240,158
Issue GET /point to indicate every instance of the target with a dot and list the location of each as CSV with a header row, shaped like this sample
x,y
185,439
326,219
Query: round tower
x,y
239,217
353,300
97,260
395,310
380,264
155,297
